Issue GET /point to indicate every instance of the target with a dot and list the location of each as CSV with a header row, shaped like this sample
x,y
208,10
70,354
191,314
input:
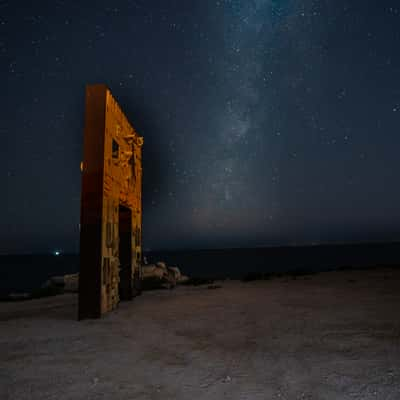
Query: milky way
x,y
265,122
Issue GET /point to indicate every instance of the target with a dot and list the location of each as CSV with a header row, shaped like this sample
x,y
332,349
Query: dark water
x,y
24,273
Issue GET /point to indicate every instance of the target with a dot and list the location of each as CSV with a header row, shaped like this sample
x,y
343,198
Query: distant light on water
x,y
57,252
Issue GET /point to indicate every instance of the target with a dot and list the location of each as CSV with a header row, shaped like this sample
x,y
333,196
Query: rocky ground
x,y
328,336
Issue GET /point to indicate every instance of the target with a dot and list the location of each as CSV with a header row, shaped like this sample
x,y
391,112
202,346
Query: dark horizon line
x,y
172,250
282,246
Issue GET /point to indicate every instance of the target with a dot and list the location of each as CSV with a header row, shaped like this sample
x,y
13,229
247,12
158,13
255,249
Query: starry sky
x,y
265,122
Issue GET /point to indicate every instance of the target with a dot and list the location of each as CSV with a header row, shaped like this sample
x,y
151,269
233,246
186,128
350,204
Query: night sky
x,y
265,122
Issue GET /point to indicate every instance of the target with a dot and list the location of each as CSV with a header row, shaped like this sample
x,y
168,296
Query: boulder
x,y
162,265
160,275
153,271
68,283
175,272
156,275
71,283
183,279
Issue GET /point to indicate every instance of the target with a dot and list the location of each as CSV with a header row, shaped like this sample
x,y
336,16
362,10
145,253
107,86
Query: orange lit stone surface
x,y
111,212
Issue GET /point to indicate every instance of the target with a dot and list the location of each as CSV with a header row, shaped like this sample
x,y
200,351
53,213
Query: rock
x,y
160,275
161,264
57,281
175,271
153,271
71,283
154,276
67,283
46,285
170,280
183,279
54,282
19,296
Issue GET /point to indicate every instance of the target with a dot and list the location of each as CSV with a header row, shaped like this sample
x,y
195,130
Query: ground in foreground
x,y
329,336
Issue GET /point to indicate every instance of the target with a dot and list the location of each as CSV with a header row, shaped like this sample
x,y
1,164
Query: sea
x,y
24,273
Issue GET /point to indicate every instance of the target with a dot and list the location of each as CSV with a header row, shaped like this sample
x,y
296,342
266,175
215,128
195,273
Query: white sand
x,y
318,337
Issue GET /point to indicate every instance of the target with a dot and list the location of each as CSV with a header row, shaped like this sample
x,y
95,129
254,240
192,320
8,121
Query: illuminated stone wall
x,y
111,182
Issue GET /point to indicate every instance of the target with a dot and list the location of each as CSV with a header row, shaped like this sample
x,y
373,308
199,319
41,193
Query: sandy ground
x,y
328,336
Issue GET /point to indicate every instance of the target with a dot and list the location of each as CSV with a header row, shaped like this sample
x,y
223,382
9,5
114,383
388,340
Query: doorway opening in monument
x,y
125,253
